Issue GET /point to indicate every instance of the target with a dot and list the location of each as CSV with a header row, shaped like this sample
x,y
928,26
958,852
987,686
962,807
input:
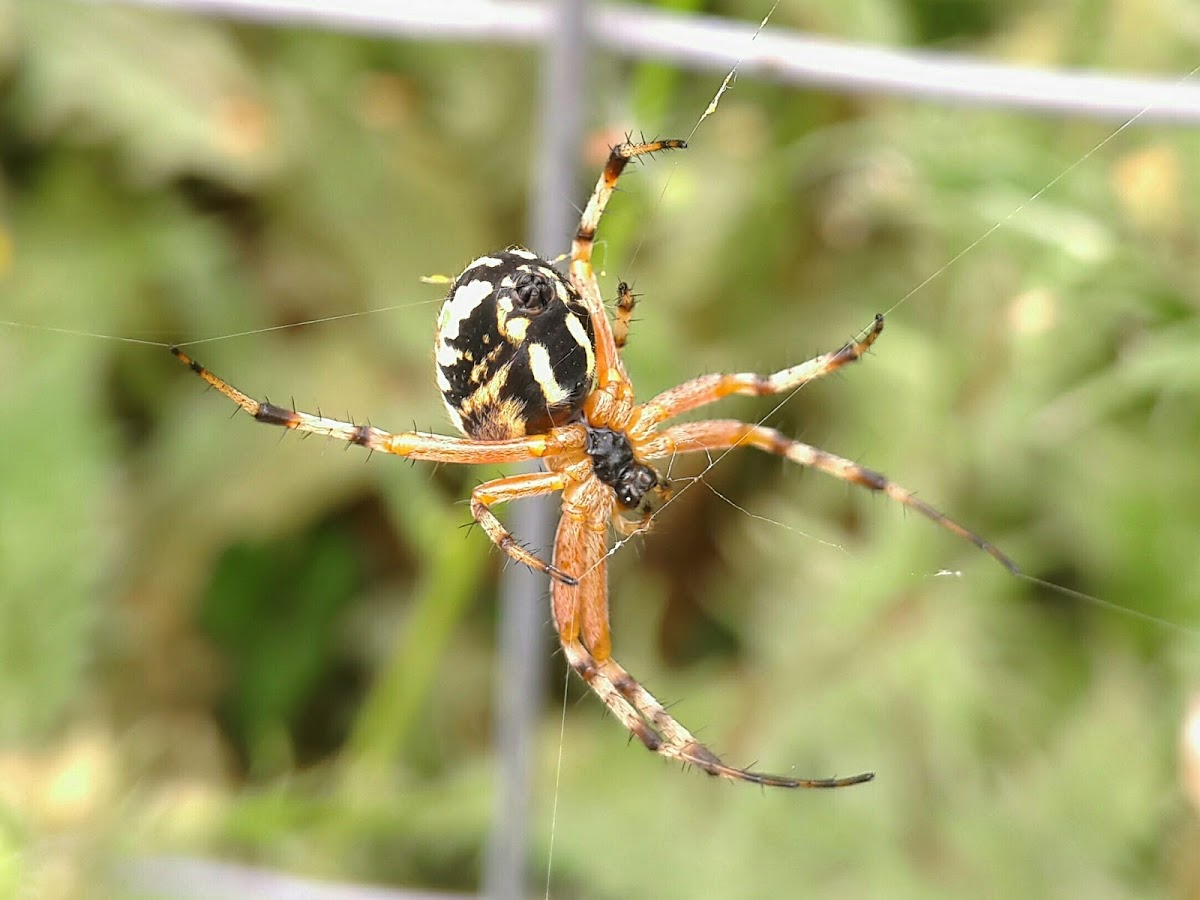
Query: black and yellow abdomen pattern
x,y
514,348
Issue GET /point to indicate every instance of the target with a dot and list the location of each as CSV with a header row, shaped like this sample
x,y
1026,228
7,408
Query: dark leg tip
x,y
568,580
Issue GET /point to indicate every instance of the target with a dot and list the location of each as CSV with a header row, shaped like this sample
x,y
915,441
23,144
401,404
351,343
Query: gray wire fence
x,y
715,45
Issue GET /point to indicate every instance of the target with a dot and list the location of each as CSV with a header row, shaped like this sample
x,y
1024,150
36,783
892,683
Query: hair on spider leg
x,y
668,144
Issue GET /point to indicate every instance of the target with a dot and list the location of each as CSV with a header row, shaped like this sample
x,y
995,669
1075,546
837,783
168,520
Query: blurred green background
x,y
220,644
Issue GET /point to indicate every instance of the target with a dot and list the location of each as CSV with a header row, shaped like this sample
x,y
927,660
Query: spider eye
x,y
532,292
644,479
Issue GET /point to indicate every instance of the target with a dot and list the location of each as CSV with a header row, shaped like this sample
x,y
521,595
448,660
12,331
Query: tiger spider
x,y
529,367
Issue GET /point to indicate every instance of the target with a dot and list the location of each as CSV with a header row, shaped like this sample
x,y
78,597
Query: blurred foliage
x,y
218,643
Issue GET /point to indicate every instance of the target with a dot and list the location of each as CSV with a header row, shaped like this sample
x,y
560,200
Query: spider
x,y
529,367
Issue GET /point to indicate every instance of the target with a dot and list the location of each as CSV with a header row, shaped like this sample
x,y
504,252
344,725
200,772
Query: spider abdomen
x,y
514,347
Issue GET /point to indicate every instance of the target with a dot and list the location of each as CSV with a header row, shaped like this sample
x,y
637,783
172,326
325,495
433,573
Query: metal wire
x,y
187,878
716,45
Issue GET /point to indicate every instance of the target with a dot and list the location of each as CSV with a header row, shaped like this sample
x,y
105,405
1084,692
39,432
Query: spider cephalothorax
x,y
614,463
530,367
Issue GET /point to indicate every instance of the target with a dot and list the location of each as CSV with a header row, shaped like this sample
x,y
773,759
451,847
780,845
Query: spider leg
x,y
721,434
711,388
516,487
581,618
412,444
687,749
608,362
626,301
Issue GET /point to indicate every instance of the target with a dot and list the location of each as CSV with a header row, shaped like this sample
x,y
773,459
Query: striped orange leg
x,y
711,388
412,444
722,434
608,363
581,617
581,610
691,751
516,487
